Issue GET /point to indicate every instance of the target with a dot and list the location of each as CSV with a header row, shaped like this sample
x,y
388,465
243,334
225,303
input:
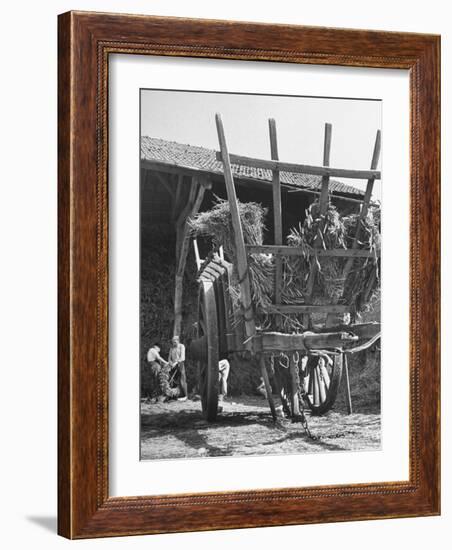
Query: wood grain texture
x,y
64,295
85,42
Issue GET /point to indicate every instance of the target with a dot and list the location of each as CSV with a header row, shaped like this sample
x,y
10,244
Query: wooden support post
x,y
182,247
324,200
181,228
189,205
184,214
294,384
242,260
178,289
268,388
277,212
347,385
323,205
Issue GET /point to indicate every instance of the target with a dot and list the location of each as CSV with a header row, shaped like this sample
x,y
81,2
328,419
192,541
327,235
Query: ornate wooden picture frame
x,y
86,40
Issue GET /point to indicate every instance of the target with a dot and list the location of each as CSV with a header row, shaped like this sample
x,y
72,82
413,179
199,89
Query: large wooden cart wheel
x,y
321,382
208,363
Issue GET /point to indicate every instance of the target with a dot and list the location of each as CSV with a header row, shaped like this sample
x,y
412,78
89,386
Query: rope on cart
x,y
301,395
284,362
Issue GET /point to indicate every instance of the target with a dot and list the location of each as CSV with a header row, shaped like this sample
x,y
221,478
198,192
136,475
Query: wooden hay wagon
x,y
316,356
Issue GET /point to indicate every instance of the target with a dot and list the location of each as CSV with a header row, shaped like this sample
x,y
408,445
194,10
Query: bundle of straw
x,y
324,232
217,224
332,284
363,280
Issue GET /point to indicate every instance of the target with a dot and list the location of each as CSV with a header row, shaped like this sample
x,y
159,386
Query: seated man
x,y
156,362
223,373
176,359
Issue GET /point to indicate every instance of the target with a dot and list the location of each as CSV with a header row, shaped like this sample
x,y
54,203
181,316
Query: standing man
x,y
176,359
156,362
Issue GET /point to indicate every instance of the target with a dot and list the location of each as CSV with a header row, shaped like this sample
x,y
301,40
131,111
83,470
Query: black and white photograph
x,y
260,241
223,318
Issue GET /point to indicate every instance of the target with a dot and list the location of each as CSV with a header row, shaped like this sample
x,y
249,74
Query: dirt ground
x,y
245,427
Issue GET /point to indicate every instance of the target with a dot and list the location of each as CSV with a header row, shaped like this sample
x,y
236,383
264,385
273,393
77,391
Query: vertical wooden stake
x,y
242,260
182,247
323,205
178,289
326,162
277,212
268,387
347,385
366,201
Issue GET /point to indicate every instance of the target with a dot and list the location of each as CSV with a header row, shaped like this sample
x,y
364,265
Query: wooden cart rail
x,y
324,171
276,342
295,251
308,308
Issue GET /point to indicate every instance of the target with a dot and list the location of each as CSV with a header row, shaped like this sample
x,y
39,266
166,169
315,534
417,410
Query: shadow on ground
x,y
49,523
245,427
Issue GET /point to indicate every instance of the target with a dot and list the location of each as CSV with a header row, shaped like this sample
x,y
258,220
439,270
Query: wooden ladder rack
x,y
278,249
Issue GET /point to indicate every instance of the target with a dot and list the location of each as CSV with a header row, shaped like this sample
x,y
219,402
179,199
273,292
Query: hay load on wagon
x,y
301,294
333,230
292,306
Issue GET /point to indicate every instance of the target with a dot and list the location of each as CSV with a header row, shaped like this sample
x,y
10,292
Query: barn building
x,y
170,170
178,180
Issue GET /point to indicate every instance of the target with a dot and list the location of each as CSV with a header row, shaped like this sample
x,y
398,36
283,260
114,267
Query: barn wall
x,y
156,202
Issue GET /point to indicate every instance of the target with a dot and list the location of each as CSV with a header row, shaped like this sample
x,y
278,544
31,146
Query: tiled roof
x,y
200,158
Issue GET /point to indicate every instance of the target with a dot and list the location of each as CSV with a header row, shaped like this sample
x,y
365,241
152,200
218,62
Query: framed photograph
x,y
248,275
